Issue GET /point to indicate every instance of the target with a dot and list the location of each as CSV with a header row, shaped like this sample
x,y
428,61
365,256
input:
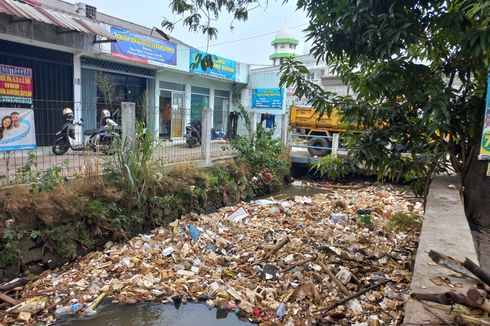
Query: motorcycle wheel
x,y
60,148
192,142
107,150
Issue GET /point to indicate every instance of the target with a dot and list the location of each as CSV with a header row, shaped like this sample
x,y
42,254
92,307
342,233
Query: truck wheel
x,y
320,142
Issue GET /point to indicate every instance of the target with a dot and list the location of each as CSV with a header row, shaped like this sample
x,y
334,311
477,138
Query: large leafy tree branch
x,y
201,15
418,69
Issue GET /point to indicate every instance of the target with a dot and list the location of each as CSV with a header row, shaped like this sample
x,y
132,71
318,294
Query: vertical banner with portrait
x,y
17,130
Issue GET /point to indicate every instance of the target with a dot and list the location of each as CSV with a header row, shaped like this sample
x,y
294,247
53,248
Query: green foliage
x,y
49,178
42,180
135,162
262,152
10,253
403,222
34,234
166,207
84,236
205,61
124,221
25,174
418,89
11,234
106,86
98,211
332,167
59,241
198,15
104,216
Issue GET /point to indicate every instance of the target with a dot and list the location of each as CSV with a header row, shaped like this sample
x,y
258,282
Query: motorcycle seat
x,y
89,132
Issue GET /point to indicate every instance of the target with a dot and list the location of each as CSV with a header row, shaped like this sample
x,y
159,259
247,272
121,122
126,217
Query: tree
x,y
199,15
419,71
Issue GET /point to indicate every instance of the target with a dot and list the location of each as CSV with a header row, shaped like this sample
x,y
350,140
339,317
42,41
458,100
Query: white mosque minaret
x,y
284,45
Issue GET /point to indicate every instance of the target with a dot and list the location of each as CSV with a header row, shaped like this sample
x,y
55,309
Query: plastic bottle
x,y
66,310
281,310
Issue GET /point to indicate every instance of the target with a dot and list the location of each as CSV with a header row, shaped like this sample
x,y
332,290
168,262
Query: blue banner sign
x,y
267,98
141,48
222,68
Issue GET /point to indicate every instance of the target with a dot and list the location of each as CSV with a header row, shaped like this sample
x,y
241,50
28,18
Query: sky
x,y
255,50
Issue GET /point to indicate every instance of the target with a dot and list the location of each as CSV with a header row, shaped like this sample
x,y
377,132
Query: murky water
x,y
154,313
191,314
290,191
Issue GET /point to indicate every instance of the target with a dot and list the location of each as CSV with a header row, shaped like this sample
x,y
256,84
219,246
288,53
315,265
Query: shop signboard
x,y
144,49
17,130
222,68
267,98
485,139
15,85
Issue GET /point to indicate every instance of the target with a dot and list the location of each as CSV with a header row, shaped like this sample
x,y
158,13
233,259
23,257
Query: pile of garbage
x,y
330,258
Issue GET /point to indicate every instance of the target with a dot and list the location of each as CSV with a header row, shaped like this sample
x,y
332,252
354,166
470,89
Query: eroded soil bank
x,y
43,227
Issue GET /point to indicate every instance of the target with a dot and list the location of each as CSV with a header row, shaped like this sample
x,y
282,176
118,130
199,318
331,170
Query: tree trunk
x,y
476,193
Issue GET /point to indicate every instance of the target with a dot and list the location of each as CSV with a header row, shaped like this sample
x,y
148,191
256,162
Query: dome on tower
x,y
285,32
284,46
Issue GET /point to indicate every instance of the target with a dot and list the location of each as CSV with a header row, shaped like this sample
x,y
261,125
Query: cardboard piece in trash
x,y
238,215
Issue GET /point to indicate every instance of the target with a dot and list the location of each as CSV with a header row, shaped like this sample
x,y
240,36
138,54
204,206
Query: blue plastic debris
x,y
194,232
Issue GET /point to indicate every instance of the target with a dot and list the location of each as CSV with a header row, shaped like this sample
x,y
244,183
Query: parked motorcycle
x,y
99,139
193,134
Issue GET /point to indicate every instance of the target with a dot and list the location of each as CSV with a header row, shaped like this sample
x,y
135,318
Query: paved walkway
x,y
445,230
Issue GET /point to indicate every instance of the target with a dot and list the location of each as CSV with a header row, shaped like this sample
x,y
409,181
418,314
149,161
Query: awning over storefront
x,y
35,11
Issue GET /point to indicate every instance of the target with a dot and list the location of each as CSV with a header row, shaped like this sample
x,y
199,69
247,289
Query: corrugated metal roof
x,y
57,18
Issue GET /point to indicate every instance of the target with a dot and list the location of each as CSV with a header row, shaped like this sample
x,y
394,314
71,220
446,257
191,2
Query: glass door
x,y
198,103
165,114
177,114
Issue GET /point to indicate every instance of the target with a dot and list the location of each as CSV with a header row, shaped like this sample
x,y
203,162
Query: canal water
x,y
154,313
291,191
190,314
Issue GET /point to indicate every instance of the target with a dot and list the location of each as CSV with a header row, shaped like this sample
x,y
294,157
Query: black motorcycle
x,y
193,134
99,139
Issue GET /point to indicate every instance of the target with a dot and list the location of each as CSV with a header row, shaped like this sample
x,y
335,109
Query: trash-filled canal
x,y
338,254
154,313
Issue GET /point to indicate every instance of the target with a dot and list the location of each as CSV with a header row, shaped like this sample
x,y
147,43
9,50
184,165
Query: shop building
x,y
91,61
268,100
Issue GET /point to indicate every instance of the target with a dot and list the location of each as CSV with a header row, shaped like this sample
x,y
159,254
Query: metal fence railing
x,y
20,162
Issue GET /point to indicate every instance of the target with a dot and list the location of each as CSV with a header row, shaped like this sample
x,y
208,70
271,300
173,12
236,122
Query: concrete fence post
x,y
77,97
128,121
206,136
335,144
284,129
253,124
